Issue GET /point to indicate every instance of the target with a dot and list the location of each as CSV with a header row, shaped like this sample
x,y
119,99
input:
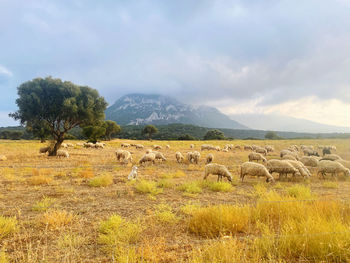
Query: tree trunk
x,y
59,140
42,140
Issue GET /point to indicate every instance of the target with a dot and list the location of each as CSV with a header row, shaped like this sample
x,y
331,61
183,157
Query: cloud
x,y
202,52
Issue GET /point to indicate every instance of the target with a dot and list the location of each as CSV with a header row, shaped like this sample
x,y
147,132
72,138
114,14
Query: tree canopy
x,y
59,105
149,130
214,135
111,128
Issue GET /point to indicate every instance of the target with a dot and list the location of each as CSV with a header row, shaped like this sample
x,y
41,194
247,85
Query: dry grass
x,y
83,209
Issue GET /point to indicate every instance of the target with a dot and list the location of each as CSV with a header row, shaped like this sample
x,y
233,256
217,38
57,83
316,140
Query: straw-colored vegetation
x,y
84,209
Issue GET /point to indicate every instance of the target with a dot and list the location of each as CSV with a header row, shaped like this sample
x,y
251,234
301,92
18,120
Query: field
x,y
83,208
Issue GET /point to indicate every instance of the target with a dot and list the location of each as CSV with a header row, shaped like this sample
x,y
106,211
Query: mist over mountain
x,y
284,123
141,109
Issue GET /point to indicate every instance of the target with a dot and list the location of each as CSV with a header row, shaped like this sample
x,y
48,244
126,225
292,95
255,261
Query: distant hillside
x,y
285,123
141,109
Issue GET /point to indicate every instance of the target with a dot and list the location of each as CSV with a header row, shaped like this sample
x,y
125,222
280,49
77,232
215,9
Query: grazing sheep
x,y
99,145
64,145
80,144
179,157
139,146
310,152
191,146
217,169
196,156
326,150
224,150
332,167
62,153
255,169
285,152
217,148
148,150
89,145
282,167
3,158
70,144
346,164
44,149
159,156
248,147
261,150
133,174
300,167
237,147
167,146
125,145
331,157
207,147
269,148
256,157
209,158
148,157
309,161
157,147
289,157
123,156
189,157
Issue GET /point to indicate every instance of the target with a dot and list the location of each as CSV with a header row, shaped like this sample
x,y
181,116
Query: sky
x,y
241,56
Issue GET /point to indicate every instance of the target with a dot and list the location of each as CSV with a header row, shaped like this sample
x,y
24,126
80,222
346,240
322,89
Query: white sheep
x,y
179,157
331,157
44,149
196,156
256,157
62,153
123,156
269,148
255,169
224,150
133,174
346,164
332,167
157,147
99,145
282,167
167,146
3,157
159,156
248,148
125,145
300,167
209,158
217,169
64,145
148,157
309,161
261,150
217,148
70,144
237,147
289,157
207,147
139,146
191,146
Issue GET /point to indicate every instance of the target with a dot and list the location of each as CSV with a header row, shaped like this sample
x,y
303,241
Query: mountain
x,y
140,109
284,123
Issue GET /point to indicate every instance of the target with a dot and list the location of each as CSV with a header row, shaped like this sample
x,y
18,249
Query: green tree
x,y
111,128
214,135
40,130
59,105
94,132
186,137
149,130
270,135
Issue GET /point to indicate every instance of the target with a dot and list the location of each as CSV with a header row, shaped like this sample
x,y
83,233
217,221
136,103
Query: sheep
x,y
261,150
207,147
133,174
331,167
255,169
256,157
148,157
209,158
139,146
157,147
148,151
310,152
269,148
300,167
193,157
289,157
70,144
293,148
44,149
159,156
326,150
80,144
217,169
217,148
248,148
179,157
62,153
224,150
125,145
309,161
89,145
285,152
99,145
331,157
191,146
64,145
346,164
123,156
237,147
167,146
282,167
3,157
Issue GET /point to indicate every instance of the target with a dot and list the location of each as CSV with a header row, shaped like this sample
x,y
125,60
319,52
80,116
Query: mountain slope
x,y
285,123
140,109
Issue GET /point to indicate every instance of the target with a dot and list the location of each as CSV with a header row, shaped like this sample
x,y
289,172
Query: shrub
x,y
56,218
219,186
39,180
191,187
43,205
148,187
213,221
115,232
8,225
165,215
333,185
164,183
101,181
299,191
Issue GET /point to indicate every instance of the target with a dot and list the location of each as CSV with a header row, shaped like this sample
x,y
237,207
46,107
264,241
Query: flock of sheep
x,y
295,160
